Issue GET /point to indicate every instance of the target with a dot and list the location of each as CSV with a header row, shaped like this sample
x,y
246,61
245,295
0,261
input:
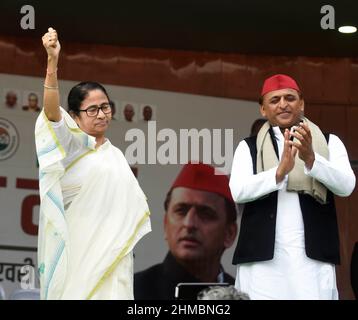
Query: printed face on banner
x,y
196,225
11,98
148,112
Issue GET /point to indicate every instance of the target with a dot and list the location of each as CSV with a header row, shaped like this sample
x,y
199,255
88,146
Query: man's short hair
x,y
256,126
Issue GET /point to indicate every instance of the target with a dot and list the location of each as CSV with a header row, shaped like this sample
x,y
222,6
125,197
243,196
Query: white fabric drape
x,y
89,223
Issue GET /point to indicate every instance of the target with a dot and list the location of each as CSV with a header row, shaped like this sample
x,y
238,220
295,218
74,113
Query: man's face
x,y
11,99
282,108
147,113
33,101
195,225
128,112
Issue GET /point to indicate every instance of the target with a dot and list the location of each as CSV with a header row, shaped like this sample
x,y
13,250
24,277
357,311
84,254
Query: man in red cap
x,y
286,177
199,224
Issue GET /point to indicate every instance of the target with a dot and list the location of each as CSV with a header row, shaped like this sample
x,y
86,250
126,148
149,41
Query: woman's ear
x,y
74,116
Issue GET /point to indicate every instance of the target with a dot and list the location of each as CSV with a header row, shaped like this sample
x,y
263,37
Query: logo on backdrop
x,y
9,139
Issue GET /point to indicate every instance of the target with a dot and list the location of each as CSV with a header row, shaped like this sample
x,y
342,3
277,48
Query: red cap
x,y
202,176
277,82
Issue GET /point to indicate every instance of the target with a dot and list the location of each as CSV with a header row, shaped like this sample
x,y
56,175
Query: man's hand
x,y
288,158
304,144
51,44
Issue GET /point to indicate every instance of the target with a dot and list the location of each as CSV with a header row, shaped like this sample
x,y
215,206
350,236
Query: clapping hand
x,y
303,144
287,159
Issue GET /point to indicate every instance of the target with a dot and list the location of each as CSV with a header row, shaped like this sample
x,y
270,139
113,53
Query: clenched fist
x,y
51,43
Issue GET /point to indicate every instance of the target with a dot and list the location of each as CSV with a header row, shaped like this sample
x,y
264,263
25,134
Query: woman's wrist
x,y
51,66
51,71
52,61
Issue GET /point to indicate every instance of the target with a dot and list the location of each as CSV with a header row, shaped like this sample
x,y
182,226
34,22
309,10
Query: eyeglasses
x,y
92,111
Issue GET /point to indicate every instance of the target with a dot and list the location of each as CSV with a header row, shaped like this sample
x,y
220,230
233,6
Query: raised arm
x,y
51,101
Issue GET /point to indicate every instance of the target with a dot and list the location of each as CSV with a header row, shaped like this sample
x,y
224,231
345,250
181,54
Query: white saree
x,y
92,214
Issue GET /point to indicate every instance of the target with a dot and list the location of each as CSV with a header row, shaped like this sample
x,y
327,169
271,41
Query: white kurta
x,y
92,214
290,274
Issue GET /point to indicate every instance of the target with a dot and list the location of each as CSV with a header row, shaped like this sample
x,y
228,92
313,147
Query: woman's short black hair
x,y
80,92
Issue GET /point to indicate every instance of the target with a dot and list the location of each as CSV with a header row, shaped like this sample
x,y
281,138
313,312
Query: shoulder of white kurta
x,y
242,150
334,139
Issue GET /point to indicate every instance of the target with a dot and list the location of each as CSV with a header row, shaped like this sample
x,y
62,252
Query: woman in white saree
x,y
93,210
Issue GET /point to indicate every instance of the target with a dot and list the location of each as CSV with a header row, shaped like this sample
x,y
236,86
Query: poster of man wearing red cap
x,y
199,225
286,176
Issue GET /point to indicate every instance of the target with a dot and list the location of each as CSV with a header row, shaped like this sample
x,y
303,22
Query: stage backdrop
x,y
160,147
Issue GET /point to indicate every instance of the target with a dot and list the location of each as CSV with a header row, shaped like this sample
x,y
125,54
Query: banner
x,y
157,131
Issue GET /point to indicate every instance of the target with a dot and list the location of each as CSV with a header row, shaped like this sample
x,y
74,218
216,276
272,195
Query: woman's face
x,y
95,126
